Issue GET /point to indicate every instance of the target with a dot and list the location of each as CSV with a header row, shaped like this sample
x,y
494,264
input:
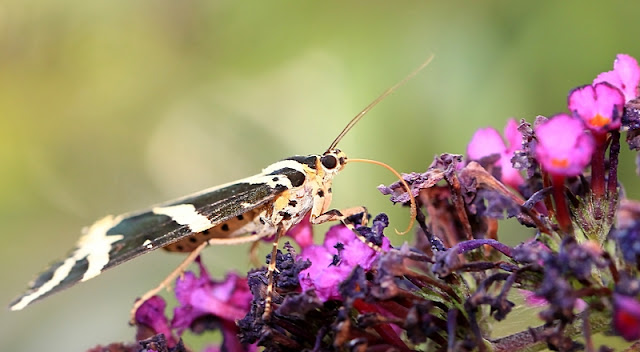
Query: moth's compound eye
x,y
329,161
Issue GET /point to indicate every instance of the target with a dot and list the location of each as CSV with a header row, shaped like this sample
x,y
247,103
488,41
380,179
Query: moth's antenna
x,y
376,101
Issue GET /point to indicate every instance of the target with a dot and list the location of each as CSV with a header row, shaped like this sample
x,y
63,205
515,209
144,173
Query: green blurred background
x,y
110,106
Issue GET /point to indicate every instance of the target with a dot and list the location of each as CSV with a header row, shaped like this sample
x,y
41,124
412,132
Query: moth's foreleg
x,y
346,216
341,215
268,300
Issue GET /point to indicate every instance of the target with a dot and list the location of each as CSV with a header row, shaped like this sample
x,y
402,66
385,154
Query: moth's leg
x,y
178,271
166,283
271,274
343,216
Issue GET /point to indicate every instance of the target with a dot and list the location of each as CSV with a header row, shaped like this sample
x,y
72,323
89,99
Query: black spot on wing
x,y
296,177
141,229
217,205
232,201
309,160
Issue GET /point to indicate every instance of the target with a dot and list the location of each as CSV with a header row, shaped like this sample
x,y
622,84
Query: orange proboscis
x,y
414,208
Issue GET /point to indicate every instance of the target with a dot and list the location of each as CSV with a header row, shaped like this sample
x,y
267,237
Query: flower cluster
x,y
556,175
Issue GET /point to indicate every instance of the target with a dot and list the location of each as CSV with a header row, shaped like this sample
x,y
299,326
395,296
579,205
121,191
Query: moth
x,y
266,204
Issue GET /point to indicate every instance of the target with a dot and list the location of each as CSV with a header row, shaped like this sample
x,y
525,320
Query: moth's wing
x,y
116,239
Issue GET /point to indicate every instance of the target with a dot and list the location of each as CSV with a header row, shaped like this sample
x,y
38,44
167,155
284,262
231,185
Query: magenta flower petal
x,y
532,300
355,251
599,106
151,314
333,261
563,146
626,316
324,280
198,296
513,136
485,142
624,76
323,275
302,233
337,234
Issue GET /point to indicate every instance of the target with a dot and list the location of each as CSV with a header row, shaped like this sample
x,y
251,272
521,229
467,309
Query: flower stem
x,y
562,210
597,174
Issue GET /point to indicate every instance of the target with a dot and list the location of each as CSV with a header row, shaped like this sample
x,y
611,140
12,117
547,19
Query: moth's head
x,y
333,161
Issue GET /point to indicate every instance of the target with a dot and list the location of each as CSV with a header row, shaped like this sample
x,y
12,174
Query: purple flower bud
x,y
624,76
563,146
626,316
599,106
326,273
487,141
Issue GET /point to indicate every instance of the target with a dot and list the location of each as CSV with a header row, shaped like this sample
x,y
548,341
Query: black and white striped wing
x,y
116,239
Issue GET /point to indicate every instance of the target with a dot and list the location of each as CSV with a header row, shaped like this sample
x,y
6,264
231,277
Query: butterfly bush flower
x,y
563,149
301,233
599,106
487,142
202,303
334,260
446,289
151,316
624,76
227,300
563,146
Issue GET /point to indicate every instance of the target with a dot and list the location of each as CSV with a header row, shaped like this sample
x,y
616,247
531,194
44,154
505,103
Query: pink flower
x,y
333,261
151,314
487,141
624,76
301,233
599,106
532,300
563,146
228,300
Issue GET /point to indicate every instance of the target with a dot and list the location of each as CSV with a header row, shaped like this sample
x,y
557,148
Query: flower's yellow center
x,y
599,121
561,163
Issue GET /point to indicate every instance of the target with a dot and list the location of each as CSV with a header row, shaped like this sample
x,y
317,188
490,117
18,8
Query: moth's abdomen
x,y
249,223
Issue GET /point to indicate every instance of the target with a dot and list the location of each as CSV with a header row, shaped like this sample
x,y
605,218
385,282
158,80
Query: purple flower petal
x,y
151,314
333,261
563,146
324,280
599,106
624,76
198,296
